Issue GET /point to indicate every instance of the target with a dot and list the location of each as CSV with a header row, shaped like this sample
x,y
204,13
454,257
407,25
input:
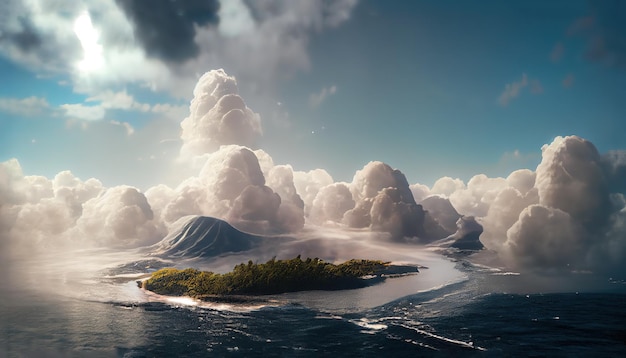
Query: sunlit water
x,y
449,309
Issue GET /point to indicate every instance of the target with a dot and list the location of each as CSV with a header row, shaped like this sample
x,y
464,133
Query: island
x,y
272,277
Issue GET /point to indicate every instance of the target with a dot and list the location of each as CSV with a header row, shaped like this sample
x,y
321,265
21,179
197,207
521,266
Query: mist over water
x,y
87,304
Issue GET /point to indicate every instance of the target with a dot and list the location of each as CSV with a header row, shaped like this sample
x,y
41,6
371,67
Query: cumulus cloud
x,y
218,116
442,212
331,202
446,186
308,185
548,238
382,201
38,212
477,196
232,186
568,214
568,220
120,217
570,177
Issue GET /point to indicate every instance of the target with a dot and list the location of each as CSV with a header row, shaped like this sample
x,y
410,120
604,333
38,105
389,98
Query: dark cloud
x,y
27,39
166,29
32,44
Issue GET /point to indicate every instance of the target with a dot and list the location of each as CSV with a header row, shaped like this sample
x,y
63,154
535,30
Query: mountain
x,y
203,236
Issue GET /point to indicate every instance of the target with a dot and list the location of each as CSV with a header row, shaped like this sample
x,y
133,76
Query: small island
x,y
272,277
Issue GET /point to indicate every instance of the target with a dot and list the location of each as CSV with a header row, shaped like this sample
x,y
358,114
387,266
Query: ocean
x,y
473,310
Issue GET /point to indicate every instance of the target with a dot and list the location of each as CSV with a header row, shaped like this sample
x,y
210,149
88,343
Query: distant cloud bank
x,y
568,214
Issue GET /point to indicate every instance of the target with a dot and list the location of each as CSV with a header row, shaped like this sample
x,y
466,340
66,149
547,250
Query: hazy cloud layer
x,y
27,107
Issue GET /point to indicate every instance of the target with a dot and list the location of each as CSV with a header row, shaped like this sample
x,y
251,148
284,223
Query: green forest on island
x,y
272,277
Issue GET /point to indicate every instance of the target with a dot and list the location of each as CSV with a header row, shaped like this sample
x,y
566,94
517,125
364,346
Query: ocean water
x,y
472,311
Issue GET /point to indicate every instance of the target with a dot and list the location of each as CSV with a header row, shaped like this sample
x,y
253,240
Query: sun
x,y
88,37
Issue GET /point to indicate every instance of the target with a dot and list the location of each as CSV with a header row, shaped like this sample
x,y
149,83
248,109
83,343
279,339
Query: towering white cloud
x,y
571,178
218,116
568,220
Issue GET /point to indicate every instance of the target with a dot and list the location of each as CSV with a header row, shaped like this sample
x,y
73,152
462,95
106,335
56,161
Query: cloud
x,y
568,81
166,29
546,237
120,217
129,128
37,212
614,163
309,184
331,203
514,89
570,177
536,87
82,112
446,186
419,191
557,52
568,220
604,29
165,44
316,99
118,100
568,214
381,201
218,116
232,186
98,105
25,107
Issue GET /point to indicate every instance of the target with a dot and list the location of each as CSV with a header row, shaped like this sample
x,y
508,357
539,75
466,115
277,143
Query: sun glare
x,y
88,37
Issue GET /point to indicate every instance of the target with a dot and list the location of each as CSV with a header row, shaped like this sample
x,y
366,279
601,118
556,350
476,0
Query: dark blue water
x,y
461,319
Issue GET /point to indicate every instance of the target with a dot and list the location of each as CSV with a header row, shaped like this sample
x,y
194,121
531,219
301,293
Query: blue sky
x,y
433,88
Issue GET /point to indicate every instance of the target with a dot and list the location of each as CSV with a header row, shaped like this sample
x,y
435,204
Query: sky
x,y
117,119
433,88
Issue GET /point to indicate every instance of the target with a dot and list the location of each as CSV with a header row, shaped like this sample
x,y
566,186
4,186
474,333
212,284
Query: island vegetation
x,y
272,277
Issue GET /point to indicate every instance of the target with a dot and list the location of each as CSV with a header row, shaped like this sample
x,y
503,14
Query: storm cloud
x,y
166,29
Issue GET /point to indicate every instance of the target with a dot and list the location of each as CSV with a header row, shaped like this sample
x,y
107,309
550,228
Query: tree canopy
x,y
274,276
